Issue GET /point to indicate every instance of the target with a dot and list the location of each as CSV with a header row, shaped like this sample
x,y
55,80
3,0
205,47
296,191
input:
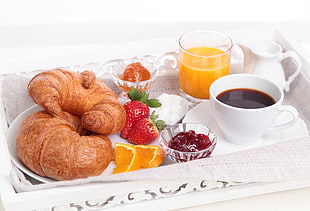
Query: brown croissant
x,y
81,94
57,148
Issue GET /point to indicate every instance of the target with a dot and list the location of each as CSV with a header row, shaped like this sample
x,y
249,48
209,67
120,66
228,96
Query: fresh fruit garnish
x,y
137,108
146,130
135,72
150,155
189,142
131,158
126,158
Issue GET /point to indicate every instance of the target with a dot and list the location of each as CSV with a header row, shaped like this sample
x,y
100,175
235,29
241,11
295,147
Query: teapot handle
x,y
293,55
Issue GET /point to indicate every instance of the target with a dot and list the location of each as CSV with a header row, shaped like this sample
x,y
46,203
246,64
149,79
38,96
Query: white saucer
x,y
202,114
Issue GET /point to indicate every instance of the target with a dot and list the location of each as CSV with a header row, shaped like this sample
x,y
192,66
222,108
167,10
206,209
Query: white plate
x,y
11,139
11,142
202,114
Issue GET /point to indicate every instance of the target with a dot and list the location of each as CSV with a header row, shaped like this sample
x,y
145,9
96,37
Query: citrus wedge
x,y
126,158
150,155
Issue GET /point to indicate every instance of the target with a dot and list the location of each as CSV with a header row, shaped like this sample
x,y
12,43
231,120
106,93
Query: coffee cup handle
x,y
290,122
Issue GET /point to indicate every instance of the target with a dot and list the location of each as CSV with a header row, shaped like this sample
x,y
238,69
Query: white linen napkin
x,y
273,163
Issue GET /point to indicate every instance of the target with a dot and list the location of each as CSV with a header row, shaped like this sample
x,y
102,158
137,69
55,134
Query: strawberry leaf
x,y
143,97
153,116
153,103
160,124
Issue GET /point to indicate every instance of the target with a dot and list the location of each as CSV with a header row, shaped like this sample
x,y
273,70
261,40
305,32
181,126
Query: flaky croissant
x,y
81,94
57,148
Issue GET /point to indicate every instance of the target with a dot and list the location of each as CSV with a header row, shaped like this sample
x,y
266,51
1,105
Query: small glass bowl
x,y
178,156
118,67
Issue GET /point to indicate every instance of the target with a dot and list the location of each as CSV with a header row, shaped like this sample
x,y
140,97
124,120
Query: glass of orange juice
x,y
203,57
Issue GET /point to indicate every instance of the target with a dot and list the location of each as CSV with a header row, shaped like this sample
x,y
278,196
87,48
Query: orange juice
x,y
199,67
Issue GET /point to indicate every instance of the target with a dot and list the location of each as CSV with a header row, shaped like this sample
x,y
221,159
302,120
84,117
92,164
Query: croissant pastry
x,y
81,94
59,148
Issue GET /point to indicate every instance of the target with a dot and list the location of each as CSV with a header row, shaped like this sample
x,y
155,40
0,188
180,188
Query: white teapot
x,y
264,58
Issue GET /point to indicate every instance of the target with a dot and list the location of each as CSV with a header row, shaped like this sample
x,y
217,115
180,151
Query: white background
x,y
72,11
44,22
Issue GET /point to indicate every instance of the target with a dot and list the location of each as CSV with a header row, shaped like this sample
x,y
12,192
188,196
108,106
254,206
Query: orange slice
x,y
126,158
150,155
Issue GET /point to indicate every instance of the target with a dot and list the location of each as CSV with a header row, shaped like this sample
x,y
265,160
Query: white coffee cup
x,y
245,126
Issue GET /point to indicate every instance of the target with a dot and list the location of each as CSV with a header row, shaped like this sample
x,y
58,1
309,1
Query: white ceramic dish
x,y
12,133
11,143
202,114
173,108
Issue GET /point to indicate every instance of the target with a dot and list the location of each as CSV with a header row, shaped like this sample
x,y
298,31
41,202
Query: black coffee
x,y
246,98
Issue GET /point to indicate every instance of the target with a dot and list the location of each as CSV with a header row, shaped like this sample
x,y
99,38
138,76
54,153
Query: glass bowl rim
x,y
153,73
165,143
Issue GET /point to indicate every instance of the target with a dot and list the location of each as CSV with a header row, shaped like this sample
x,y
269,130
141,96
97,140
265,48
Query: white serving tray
x,y
94,196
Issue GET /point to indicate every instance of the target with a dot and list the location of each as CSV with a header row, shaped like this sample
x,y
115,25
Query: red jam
x,y
189,142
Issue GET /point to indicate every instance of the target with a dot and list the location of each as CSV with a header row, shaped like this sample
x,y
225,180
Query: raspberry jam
x,y
189,142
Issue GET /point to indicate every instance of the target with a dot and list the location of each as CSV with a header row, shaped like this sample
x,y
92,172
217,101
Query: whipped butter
x,y
173,108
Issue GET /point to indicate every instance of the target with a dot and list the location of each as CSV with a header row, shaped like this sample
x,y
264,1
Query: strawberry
x,y
137,108
146,130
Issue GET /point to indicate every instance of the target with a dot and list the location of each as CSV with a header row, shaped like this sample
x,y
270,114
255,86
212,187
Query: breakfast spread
x,y
71,137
